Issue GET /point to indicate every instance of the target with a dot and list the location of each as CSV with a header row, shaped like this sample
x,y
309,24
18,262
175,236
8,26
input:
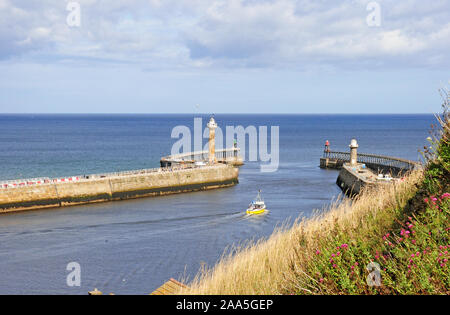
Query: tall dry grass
x,y
277,265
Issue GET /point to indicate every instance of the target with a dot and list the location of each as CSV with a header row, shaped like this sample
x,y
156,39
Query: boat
x,y
257,206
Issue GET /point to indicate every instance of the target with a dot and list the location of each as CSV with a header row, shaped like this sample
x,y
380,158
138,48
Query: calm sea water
x,y
134,246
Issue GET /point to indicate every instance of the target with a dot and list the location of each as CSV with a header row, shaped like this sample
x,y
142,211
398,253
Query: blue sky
x,y
223,56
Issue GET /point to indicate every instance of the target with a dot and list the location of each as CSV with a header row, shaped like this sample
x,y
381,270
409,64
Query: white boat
x,y
257,206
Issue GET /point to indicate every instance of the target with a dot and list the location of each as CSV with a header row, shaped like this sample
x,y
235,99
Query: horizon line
x,y
219,113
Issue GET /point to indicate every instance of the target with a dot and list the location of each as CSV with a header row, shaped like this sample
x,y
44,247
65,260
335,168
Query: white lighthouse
x,y
212,125
353,152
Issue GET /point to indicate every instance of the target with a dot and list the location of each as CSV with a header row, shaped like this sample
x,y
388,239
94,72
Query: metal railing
x,y
374,159
221,154
142,171
51,181
24,182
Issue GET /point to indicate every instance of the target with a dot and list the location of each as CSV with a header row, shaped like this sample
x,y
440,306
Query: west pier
x,y
207,170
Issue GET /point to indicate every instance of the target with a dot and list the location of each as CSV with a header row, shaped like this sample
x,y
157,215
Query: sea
x,y
134,246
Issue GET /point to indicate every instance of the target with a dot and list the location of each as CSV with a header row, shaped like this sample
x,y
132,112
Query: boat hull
x,y
258,211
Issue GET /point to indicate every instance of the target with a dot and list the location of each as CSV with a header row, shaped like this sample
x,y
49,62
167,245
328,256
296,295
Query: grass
x,y
389,240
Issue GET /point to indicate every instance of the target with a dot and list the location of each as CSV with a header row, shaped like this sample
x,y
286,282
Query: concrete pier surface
x,y
361,170
117,186
225,156
353,178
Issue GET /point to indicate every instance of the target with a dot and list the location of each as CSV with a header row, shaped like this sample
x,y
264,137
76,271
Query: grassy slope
x,y
403,228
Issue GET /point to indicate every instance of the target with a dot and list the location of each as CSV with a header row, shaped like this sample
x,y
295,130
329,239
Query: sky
x,y
223,56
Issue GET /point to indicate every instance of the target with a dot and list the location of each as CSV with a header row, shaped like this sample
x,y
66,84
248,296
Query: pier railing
x,y
145,171
373,159
24,182
199,156
49,181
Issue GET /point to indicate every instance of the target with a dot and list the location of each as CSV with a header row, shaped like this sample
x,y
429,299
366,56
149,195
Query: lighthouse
x,y
212,125
353,154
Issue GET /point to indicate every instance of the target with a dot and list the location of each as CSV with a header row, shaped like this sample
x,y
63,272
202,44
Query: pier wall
x,y
353,179
350,183
112,188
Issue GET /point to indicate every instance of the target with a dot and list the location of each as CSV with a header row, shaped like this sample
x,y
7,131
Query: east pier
x,y
357,170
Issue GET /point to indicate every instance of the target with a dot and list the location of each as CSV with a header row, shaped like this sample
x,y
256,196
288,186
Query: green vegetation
x,y
410,245
389,240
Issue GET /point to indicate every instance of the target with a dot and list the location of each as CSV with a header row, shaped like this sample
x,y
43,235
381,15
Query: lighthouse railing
x,y
373,159
198,156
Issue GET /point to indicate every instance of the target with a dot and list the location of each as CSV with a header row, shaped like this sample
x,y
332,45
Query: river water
x,y
134,246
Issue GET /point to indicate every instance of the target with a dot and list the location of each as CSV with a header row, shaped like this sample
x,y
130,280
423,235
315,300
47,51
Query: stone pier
x,y
174,176
360,170
119,186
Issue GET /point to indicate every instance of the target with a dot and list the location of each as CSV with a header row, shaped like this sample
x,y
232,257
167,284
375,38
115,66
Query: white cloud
x,y
232,33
